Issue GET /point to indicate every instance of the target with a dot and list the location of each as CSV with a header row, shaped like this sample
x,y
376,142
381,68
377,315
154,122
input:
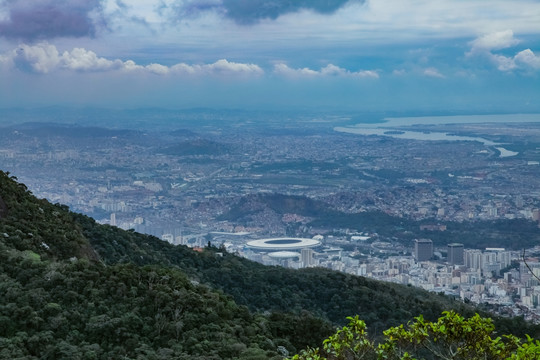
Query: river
x,y
393,127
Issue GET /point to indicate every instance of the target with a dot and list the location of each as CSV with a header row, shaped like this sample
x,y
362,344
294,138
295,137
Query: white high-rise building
x,y
307,257
473,259
492,260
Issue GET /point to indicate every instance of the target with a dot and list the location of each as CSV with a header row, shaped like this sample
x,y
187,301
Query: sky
x,y
373,55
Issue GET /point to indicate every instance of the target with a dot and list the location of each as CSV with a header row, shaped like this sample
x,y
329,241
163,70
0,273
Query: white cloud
x,y
284,70
524,60
44,58
485,45
220,67
527,58
225,67
446,18
157,69
40,58
433,72
186,69
333,70
329,71
503,63
494,41
80,59
130,65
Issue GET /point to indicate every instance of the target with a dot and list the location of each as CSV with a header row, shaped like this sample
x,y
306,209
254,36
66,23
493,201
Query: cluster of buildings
x,y
495,277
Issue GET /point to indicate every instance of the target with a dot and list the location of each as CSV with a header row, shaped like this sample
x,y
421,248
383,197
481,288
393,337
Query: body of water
x,y
413,135
388,128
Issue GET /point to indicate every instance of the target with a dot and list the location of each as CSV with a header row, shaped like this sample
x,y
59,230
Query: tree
x,y
451,337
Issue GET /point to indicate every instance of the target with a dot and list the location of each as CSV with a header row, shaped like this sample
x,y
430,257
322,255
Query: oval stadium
x,y
283,244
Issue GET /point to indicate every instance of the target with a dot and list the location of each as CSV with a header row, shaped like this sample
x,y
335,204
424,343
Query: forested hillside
x,y
73,289
60,301
324,293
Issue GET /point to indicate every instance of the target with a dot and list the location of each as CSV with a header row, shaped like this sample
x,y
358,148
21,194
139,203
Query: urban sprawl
x,y
194,185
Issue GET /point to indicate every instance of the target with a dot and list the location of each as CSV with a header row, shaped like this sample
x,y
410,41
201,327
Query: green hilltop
x,y
74,289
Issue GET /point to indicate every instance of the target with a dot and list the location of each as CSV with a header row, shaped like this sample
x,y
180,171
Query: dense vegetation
x,y
74,289
328,294
451,337
60,301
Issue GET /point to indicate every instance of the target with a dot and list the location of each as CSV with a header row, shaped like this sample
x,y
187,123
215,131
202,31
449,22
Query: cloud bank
x,y
45,58
31,20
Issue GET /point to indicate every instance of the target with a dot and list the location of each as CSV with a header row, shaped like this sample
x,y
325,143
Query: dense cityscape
x,y
214,184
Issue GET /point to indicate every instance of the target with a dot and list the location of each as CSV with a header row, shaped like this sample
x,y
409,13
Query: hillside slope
x,y
71,288
324,293
60,301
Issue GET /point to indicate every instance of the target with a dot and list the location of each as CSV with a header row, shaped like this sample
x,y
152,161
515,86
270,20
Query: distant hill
x,y
196,147
513,234
74,289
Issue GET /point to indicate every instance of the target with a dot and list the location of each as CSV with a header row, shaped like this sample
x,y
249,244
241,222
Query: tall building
x,y
307,257
473,259
455,254
490,261
423,249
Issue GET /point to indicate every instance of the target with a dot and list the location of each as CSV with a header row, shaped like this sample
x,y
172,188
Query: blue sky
x,y
383,55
